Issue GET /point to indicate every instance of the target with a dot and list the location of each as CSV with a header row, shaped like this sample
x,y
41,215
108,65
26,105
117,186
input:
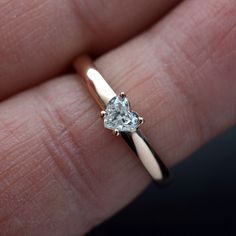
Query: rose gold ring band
x,y
104,95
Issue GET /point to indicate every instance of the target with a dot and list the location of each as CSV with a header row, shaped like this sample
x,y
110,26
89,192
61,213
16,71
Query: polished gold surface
x,y
96,84
102,94
148,157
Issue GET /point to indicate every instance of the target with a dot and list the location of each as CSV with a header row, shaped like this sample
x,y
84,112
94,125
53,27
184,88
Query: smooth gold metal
x,y
98,87
103,93
147,156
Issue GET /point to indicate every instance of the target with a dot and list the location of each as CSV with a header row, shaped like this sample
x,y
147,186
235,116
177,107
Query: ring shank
x,y
97,85
147,155
102,93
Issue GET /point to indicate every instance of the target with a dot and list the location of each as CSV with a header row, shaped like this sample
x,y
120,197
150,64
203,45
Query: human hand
x,y
61,172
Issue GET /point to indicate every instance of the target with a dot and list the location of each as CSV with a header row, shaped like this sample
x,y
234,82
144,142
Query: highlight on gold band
x,y
118,117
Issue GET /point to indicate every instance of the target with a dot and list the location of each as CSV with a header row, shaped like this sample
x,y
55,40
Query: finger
x,y
40,38
189,68
62,172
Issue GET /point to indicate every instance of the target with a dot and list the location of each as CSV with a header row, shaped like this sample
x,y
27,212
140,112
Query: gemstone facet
x,y
118,115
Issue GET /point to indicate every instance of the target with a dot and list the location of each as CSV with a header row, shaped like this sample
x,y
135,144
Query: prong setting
x,y
141,120
102,114
123,94
116,132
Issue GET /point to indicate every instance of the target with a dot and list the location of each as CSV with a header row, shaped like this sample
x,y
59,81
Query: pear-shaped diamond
x,y
118,115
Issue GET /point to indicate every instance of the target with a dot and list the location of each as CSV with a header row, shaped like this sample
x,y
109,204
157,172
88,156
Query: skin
x,y
61,172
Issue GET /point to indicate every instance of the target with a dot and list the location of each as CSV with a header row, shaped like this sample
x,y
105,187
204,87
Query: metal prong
x,y
102,113
141,120
122,94
116,132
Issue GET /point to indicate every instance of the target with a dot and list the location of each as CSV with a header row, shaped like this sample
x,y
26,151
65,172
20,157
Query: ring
x,y
119,118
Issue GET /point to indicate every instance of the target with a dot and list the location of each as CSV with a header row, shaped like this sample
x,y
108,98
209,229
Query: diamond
x,y
118,115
